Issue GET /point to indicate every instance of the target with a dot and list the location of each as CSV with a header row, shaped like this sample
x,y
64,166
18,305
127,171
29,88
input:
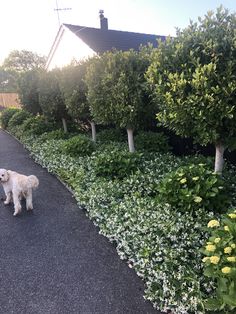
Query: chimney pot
x,y
103,21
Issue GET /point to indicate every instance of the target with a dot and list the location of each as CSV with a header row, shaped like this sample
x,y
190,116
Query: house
x,y
78,42
9,100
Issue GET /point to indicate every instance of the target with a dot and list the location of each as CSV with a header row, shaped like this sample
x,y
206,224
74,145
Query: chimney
x,y
103,21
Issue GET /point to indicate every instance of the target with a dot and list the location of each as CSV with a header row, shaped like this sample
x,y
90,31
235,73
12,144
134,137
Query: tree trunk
x,y
219,157
93,128
130,133
64,125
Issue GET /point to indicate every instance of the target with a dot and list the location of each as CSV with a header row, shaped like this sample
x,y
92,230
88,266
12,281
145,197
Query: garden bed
x,y
161,243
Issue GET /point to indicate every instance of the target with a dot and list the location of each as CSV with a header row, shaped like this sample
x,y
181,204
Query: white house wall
x,y
68,47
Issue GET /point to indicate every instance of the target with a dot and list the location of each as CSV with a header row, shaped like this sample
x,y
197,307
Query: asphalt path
x,y
53,260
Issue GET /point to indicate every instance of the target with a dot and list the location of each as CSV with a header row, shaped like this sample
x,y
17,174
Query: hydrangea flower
x,y
228,250
217,240
213,223
214,259
226,270
210,248
232,215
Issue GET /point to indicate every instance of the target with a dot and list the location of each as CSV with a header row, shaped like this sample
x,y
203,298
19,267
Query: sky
x,y
33,24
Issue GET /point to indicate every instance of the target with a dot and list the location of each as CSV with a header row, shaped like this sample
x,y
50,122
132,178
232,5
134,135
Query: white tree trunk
x,y
64,125
130,133
219,158
93,128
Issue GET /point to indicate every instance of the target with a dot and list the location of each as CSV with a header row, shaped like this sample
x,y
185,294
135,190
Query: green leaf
x,y
213,304
209,272
229,299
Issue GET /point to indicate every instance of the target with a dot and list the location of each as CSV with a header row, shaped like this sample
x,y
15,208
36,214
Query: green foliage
x,y
8,81
192,187
28,90
50,95
193,79
55,135
74,90
18,118
37,125
79,145
116,163
116,88
6,116
23,61
110,135
220,263
152,142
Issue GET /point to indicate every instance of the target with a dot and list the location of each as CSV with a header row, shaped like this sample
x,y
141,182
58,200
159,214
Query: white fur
x,y
16,186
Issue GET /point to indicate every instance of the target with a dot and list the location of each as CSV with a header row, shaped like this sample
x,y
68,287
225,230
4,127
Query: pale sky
x,y
33,24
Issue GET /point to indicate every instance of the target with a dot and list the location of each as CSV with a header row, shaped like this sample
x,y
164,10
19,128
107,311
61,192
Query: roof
x,y
100,40
9,100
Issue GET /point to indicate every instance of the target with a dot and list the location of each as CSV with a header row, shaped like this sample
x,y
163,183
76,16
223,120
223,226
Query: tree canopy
x,y
28,90
116,89
23,60
74,90
50,97
193,78
8,81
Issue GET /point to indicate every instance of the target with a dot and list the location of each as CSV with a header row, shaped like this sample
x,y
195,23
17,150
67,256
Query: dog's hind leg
x,y
8,198
17,205
29,203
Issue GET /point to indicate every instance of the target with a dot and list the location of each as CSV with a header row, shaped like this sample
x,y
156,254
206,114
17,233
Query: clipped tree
x,y
51,98
74,92
193,80
117,92
28,91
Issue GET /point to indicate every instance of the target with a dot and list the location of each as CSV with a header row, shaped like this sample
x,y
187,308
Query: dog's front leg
x,y
8,198
17,205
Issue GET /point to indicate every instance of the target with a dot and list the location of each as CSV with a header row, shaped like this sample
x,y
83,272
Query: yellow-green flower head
x,y
195,178
197,199
184,180
226,228
226,270
205,259
210,248
213,223
233,246
228,250
214,259
232,215
231,259
217,240
209,243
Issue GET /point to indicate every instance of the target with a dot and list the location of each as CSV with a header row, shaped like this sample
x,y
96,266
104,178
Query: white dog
x,y
16,186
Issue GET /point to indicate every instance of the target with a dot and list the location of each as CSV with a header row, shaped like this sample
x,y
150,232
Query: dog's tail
x,y
33,181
